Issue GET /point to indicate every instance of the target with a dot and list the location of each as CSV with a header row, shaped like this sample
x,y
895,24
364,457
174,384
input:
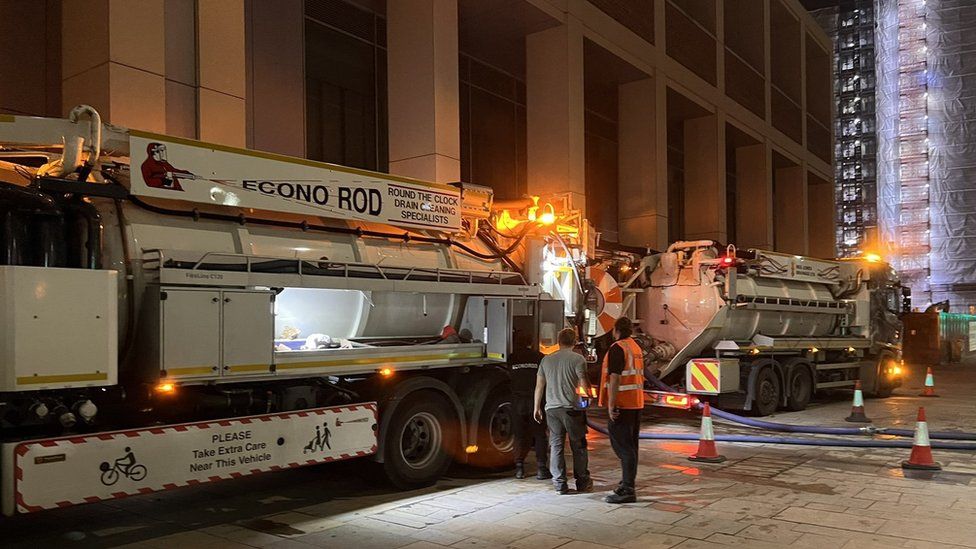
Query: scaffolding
x,y
850,24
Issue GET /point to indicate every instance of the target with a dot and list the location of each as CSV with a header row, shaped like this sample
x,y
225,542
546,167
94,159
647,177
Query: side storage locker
x,y
248,332
189,332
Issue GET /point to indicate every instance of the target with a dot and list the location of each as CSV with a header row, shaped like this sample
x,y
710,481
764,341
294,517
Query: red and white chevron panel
x,y
59,472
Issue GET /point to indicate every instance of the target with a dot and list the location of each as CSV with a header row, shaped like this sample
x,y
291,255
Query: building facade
x,y
662,120
850,23
909,65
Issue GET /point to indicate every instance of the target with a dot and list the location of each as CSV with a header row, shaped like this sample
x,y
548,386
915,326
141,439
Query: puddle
x,y
271,527
938,477
837,465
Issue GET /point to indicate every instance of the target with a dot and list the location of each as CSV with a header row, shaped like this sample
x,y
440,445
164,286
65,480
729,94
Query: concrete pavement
x,y
764,496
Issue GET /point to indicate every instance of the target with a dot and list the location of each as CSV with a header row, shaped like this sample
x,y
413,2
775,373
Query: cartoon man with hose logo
x,y
159,173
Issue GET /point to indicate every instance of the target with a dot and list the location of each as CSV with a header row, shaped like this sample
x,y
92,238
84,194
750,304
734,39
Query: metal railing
x,y
156,259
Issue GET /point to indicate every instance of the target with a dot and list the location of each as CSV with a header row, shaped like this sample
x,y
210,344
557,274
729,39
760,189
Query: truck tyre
x,y
496,435
767,392
420,441
882,391
800,389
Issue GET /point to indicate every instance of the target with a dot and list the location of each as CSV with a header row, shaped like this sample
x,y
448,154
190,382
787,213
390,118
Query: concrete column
x,y
221,72
181,68
754,204
705,203
642,202
820,194
113,59
422,72
790,201
555,113
276,83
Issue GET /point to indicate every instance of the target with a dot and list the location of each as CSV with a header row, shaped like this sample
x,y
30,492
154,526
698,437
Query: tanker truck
x,y
756,330
176,313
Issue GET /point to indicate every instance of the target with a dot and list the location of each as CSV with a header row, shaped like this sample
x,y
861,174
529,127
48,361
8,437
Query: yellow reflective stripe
x,y
289,159
189,370
495,355
250,368
374,360
64,378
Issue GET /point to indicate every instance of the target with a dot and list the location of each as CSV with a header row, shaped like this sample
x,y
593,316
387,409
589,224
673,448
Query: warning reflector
x,y
704,376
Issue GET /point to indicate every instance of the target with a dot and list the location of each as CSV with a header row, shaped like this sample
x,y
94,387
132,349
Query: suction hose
x,y
792,441
813,430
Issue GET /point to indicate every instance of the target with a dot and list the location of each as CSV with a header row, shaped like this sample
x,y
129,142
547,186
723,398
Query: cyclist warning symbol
x,y
125,467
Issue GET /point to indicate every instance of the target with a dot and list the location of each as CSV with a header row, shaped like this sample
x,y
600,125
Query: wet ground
x,y
764,496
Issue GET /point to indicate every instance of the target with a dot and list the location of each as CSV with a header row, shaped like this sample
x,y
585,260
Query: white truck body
x,y
195,290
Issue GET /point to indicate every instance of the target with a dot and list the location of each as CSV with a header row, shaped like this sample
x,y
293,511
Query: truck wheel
x,y
882,391
767,394
801,389
496,434
419,442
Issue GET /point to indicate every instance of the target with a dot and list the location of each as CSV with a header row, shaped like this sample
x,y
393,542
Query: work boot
x,y
562,488
584,485
621,495
543,472
519,470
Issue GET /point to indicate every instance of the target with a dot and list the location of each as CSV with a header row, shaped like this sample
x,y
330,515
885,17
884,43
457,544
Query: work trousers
x,y
624,435
562,422
528,432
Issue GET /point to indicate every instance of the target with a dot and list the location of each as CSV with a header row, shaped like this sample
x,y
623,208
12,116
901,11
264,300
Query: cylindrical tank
x,y
131,230
683,299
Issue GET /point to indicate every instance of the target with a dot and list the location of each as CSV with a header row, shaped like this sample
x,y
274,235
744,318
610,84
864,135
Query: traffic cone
x,y
706,442
929,389
857,408
921,457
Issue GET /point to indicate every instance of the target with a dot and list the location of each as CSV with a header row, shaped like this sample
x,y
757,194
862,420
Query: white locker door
x,y
248,332
499,328
191,333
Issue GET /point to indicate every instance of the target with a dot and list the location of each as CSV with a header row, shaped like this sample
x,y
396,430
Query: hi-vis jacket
x,y
631,392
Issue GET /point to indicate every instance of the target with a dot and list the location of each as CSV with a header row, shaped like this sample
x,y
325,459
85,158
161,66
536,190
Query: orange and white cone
x,y
929,389
706,442
921,457
857,408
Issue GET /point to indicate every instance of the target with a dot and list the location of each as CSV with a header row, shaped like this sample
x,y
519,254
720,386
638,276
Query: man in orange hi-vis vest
x,y
622,392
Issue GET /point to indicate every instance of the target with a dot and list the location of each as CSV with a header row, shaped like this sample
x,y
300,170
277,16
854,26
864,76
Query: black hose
x,y
85,253
33,228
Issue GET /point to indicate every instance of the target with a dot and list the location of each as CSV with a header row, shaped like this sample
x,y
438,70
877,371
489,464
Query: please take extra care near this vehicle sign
x,y
181,169
59,472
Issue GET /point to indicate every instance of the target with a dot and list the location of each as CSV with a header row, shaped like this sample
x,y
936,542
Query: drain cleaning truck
x,y
175,313
757,330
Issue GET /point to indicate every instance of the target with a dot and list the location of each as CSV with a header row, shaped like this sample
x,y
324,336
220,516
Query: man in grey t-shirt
x,y
561,375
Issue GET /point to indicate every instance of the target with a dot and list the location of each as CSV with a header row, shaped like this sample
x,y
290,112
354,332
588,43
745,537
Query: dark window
x,y
493,142
601,165
676,180
345,85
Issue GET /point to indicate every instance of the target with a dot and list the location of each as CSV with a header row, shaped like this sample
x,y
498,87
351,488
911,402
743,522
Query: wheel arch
x,y
473,396
755,367
401,392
